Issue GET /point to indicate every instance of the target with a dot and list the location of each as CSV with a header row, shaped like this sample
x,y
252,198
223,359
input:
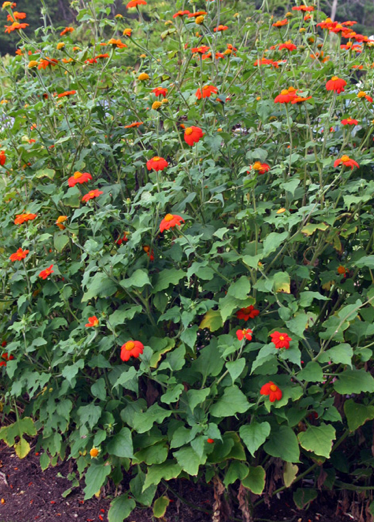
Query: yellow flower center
x,y
61,219
273,388
77,175
334,78
345,158
156,158
285,91
168,217
130,345
281,338
361,94
256,165
291,89
189,131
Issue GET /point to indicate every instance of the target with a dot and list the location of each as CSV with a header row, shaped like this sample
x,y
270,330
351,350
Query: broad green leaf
x,y
211,320
98,389
308,230
99,286
307,297
273,241
89,414
124,313
233,401
240,289
208,362
167,470
237,471
282,282
254,435
167,277
289,473
196,397
340,354
235,368
255,480
189,460
283,444
357,414
137,280
120,508
136,487
354,381
172,394
95,478
22,448
144,421
60,241
365,262
318,439
160,507
121,444
298,324
44,461
45,173
311,373
23,426
155,454
304,496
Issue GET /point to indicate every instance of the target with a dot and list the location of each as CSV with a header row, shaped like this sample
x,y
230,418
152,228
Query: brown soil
x,y
30,495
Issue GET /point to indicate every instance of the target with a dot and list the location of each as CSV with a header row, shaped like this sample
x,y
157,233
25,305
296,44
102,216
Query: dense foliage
x,y
187,252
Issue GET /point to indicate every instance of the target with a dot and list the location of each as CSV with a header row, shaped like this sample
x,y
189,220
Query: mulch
x,y
28,494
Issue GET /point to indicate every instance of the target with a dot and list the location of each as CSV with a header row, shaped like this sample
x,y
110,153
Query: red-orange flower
x,y
202,49
349,121
193,135
288,45
247,333
92,322
122,239
160,91
336,84
280,340
21,218
2,157
117,43
66,93
67,30
19,255
45,273
342,270
60,220
261,168
157,163
281,23
286,96
79,177
181,13
247,313
198,13
131,349
16,16
170,221
208,90
303,8
150,253
272,390
6,358
346,161
135,124
135,3
48,62
210,441
220,28
92,194
300,99
15,27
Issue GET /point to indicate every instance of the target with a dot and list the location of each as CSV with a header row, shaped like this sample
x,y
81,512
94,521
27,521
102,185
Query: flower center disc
x,y
345,158
273,388
189,131
129,345
77,175
169,217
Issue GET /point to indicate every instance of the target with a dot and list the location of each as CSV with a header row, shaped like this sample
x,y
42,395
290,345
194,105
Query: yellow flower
x,y
236,15
94,453
143,77
156,105
118,16
258,98
165,101
228,51
289,15
168,22
60,45
4,101
143,56
6,4
219,130
302,30
281,210
127,32
199,20
361,94
32,64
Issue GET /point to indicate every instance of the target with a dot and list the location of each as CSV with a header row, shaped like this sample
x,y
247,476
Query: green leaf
x,y
237,471
308,230
196,397
340,354
365,262
45,173
189,460
254,435
136,487
230,303
22,448
120,508
160,507
283,444
60,241
44,461
98,389
240,289
289,473
311,373
144,421
167,277
318,439
282,282
304,496
121,444
357,414
354,381
99,286
255,480
233,401
156,454
89,414
211,320
298,324
307,297
95,478
172,394
124,313
137,280
273,241
23,426
167,470
235,368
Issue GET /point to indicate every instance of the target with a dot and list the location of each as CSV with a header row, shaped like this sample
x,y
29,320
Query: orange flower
x,y
247,333
210,441
149,252
66,93
264,61
193,135
60,220
300,99
280,340
79,177
16,16
341,270
135,124
303,8
261,168
272,390
127,32
288,45
122,239
2,157
94,453
44,63
135,3
349,121
67,30
281,23
181,13
92,322
131,349
208,90
21,218
198,13
336,84
202,49
220,28
349,23
102,56
12,5
160,91
363,94
286,96
45,273
346,161
117,43
15,27
170,221
247,313
19,255
6,358
157,163
92,194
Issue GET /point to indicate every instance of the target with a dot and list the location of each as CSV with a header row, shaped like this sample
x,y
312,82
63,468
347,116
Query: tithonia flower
x,y
181,13
2,157
193,135
198,13
66,93
261,168
92,322
247,333
60,220
135,3
92,194
157,163
12,5
336,84
131,349
21,218
247,313
143,76
156,105
342,270
220,28
210,441
79,177
346,161
47,62
286,96
122,239
5,358
281,23
60,46
67,30
201,50
170,221
300,99
135,124
160,91
303,8
16,26
272,390
150,253
127,32
117,43
94,453
19,255
349,121
47,272
288,45
208,90
16,16
363,94
280,340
